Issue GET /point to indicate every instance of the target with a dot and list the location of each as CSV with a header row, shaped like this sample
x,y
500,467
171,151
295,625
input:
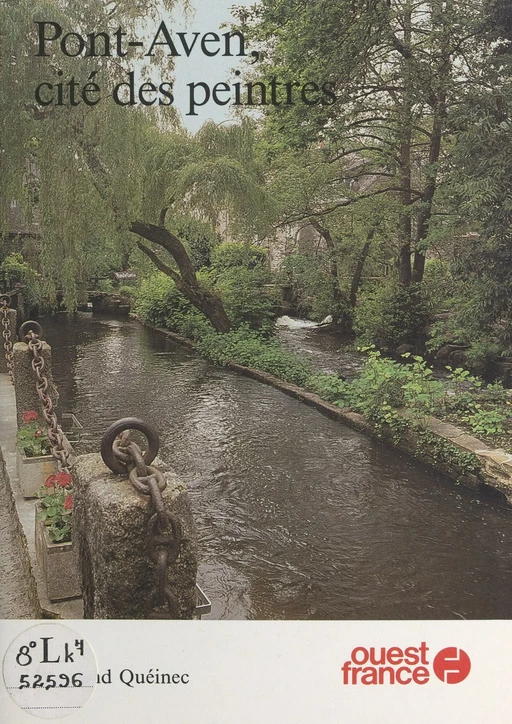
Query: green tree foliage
x,y
160,303
198,236
232,255
392,315
90,174
241,272
481,195
54,159
401,70
498,16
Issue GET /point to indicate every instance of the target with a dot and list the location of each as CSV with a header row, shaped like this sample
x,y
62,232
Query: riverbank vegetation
x,y
389,210
382,391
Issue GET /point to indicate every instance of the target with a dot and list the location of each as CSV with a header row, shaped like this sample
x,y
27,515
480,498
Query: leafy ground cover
x,y
384,389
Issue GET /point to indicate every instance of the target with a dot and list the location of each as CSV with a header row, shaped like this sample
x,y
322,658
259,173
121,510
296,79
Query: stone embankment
x,y
444,447
17,599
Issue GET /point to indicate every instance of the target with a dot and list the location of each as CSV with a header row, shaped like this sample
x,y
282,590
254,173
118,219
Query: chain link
x,y
5,301
164,528
55,434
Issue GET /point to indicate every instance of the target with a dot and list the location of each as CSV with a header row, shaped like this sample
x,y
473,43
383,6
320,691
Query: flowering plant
x,y
32,437
57,506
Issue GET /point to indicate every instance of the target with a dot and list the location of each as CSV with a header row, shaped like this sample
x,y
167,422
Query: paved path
x,y
15,594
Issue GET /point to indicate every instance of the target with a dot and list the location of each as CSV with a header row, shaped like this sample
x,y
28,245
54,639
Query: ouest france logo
x,y
393,665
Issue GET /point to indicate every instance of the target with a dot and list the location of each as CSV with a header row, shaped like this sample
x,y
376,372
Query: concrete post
x,y
12,319
110,540
25,379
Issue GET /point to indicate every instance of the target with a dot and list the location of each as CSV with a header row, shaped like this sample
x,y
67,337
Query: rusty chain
x,y
31,331
123,455
5,302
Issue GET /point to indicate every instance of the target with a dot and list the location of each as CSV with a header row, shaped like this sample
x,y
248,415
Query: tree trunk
x,y
405,223
439,108
427,198
358,272
338,296
186,281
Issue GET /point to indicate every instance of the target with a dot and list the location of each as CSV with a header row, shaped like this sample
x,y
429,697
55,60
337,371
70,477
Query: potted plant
x,y
53,537
34,459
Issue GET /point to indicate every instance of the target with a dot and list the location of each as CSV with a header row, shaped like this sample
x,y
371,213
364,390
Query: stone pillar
x,y
12,319
25,379
110,540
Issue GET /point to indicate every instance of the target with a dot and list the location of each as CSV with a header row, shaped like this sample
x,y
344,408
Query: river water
x,y
324,349
298,516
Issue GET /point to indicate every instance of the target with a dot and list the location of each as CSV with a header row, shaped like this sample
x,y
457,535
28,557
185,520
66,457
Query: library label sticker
x,y
49,670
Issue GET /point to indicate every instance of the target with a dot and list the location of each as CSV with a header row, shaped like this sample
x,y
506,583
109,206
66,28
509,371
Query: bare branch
x,y
347,202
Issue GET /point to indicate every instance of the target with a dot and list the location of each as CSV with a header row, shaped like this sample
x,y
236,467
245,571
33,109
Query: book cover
x,y
279,234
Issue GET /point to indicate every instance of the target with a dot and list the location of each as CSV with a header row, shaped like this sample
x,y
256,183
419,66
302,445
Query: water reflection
x,y
298,516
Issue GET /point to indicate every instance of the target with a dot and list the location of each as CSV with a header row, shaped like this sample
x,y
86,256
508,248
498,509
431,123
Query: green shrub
x,y
244,297
160,303
154,297
199,237
438,283
251,349
127,291
332,388
106,286
481,354
392,315
313,288
15,271
385,386
231,254
486,422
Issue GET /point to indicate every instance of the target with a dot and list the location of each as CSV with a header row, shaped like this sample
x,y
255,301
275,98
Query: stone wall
x,y
25,380
110,538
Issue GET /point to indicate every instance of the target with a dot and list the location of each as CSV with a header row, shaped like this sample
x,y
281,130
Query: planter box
x,y
32,472
58,565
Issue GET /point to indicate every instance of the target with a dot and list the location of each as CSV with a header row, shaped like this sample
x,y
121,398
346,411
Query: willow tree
x,y
214,174
93,173
45,148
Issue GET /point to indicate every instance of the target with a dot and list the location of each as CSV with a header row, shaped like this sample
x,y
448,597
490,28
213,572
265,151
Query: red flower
x,y
68,502
63,479
50,481
30,416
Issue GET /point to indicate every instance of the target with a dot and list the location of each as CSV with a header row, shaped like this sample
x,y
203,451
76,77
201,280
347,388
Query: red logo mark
x,y
452,665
